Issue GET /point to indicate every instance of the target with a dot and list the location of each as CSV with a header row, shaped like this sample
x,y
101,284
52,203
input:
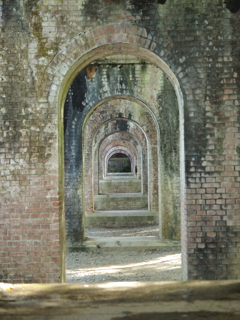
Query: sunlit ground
x,y
141,266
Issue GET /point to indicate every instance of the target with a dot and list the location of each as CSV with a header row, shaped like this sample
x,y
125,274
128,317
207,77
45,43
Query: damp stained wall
x,y
40,42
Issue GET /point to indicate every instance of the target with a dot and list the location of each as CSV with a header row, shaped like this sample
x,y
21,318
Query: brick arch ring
x,y
100,42
131,154
105,151
117,151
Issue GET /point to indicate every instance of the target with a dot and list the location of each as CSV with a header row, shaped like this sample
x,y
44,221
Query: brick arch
x,y
105,41
120,147
99,42
122,150
137,143
91,132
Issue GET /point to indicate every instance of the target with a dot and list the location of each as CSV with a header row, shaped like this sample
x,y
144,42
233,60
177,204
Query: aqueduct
x,y
156,81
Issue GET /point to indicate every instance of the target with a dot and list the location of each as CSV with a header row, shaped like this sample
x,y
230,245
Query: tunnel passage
x,y
119,163
122,103
106,137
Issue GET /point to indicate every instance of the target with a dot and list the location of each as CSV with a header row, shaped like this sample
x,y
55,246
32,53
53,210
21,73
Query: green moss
x,y
238,150
219,146
170,161
36,24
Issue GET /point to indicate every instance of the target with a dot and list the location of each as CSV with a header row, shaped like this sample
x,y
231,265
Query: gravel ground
x,y
142,265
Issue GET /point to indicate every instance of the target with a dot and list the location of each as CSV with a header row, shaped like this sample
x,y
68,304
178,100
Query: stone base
x,y
121,201
120,185
127,218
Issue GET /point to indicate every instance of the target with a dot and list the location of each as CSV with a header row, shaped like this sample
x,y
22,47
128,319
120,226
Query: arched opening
x,y
157,62
129,197
126,142
119,163
122,147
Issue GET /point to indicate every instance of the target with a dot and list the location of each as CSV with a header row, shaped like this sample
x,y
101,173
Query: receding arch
x,y
112,49
141,52
149,145
124,164
116,150
126,141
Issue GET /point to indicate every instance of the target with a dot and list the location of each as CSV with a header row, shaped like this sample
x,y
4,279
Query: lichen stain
x,y
170,174
219,145
36,24
238,150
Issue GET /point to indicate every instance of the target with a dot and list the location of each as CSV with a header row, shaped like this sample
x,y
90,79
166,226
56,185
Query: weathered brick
x,y
209,87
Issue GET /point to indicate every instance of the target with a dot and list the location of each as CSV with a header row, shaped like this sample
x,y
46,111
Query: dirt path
x,y
154,265
140,266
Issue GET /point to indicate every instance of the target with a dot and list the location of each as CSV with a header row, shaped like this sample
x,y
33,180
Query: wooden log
x,y
196,300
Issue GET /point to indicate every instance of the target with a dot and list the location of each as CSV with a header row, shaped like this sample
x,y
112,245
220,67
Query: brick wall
x,y
44,45
30,202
